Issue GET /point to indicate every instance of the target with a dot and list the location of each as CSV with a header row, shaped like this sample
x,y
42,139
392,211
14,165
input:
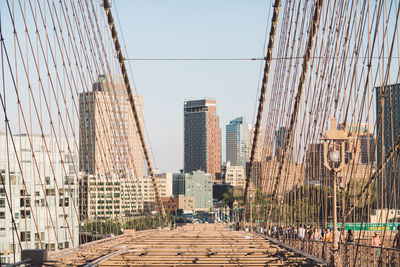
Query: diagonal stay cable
x,y
107,8
262,94
393,151
289,136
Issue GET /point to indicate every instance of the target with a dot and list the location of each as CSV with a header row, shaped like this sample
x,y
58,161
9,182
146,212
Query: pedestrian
x,y
376,242
328,235
302,232
339,235
309,233
349,236
396,241
317,234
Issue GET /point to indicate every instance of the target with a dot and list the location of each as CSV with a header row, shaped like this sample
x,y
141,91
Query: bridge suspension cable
x,y
107,8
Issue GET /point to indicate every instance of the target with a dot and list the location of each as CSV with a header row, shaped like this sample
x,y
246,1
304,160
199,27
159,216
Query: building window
x,y
25,236
12,178
25,213
50,192
64,201
24,202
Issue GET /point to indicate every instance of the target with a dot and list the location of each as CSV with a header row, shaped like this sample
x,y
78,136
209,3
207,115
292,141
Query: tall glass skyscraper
x,y
237,138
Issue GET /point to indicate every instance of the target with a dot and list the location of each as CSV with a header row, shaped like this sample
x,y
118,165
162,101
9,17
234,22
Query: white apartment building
x,y
234,175
43,192
111,155
164,182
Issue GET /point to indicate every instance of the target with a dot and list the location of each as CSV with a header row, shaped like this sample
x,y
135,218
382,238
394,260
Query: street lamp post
x,y
81,234
235,208
251,209
332,156
224,214
334,140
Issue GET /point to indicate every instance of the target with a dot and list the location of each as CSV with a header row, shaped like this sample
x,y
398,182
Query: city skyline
x,y
184,29
132,121
228,23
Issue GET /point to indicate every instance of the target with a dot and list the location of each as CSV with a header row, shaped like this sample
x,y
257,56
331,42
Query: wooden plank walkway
x,y
190,245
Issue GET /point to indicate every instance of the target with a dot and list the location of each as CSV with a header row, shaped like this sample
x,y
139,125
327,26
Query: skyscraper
x,y
237,138
367,148
108,134
387,134
109,145
316,172
263,148
202,137
280,136
280,139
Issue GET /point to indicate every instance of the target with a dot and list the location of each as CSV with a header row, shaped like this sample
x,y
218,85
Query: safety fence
x,y
351,254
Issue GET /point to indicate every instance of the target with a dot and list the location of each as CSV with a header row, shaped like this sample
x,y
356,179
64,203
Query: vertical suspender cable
x,y
268,59
110,19
289,136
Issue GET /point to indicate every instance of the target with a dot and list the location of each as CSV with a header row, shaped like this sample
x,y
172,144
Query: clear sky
x,y
192,29
182,29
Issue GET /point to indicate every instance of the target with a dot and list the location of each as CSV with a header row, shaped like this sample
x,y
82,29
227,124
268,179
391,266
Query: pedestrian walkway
x,y
203,244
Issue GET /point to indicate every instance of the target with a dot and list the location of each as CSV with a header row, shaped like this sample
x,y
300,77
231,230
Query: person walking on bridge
x,y
396,240
376,242
328,235
302,232
349,236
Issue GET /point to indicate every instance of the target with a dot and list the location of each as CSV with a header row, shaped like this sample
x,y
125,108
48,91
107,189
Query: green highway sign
x,y
369,226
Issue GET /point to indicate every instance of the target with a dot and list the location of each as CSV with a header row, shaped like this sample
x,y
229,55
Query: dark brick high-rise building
x,y
388,128
202,137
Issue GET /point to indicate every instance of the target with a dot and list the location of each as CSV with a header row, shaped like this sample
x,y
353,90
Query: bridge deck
x,y
191,245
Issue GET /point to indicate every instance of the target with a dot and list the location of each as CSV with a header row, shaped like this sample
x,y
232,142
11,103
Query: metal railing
x,y
351,254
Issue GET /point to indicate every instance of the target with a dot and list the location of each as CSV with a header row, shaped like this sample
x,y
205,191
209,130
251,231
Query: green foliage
x,y
310,204
116,226
230,197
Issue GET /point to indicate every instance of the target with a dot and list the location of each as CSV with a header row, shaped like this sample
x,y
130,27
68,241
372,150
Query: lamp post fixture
x,y
224,214
251,191
235,208
334,153
81,234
